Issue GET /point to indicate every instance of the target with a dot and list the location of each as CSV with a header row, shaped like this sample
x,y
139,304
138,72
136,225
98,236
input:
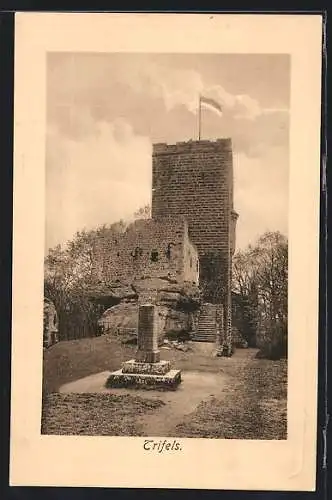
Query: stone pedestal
x,y
146,370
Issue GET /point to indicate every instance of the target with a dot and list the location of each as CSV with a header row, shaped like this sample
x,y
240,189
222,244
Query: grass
x,y
253,404
70,360
94,414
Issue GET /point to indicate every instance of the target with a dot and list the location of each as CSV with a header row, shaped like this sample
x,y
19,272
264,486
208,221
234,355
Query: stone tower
x,y
195,179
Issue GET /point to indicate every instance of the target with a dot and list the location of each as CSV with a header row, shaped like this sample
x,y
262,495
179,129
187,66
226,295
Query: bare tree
x,y
70,276
260,273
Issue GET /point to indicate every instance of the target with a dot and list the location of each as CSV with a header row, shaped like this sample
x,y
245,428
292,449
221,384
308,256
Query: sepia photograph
x,y
165,291
165,251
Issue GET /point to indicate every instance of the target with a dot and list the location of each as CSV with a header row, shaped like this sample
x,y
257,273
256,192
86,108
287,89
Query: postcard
x,y
166,250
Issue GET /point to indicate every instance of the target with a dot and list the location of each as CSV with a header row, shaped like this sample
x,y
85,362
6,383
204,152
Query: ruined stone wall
x,y
147,249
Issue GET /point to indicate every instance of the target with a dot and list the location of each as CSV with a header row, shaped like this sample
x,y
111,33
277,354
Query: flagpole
x,y
199,117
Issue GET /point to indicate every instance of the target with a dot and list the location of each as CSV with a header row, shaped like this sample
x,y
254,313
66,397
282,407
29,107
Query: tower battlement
x,y
218,145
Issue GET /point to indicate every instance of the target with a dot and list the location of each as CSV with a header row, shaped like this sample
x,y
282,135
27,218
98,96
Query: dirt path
x,y
197,388
253,405
194,388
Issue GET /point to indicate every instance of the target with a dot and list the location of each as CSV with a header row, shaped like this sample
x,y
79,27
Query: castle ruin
x,y
190,237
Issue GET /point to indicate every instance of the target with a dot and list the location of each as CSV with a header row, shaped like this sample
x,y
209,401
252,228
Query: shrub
x,y
180,335
276,346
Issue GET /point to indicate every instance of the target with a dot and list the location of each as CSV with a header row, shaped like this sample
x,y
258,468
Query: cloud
x,y
98,179
99,165
77,77
251,126
260,194
182,87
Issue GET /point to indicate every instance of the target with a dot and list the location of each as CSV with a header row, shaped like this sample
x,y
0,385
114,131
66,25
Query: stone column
x,y
146,370
147,340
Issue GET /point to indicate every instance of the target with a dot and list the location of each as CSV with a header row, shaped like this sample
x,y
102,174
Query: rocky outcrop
x,y
50,324
112,294
177,306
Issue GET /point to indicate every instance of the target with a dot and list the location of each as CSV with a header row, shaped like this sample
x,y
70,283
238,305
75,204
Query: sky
x,y
104,112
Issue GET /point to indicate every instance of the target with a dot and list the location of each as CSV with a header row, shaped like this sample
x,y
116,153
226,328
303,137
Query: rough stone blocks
x,y
159,368
168,381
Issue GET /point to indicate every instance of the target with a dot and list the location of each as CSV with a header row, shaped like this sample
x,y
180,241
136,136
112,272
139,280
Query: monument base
x,y
134,366
166,381
146,371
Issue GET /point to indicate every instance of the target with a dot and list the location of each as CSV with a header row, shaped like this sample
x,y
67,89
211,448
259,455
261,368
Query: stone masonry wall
x,y
147,249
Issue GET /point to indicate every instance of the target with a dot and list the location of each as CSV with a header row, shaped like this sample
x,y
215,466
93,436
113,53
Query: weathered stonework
x,y
147,340
195,180
169,381
148,248
157,368
176,313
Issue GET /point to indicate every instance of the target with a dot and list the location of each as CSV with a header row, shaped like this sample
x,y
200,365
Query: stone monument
x,y
146,370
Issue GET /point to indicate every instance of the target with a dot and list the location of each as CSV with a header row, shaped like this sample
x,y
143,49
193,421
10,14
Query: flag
x,y
211,104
